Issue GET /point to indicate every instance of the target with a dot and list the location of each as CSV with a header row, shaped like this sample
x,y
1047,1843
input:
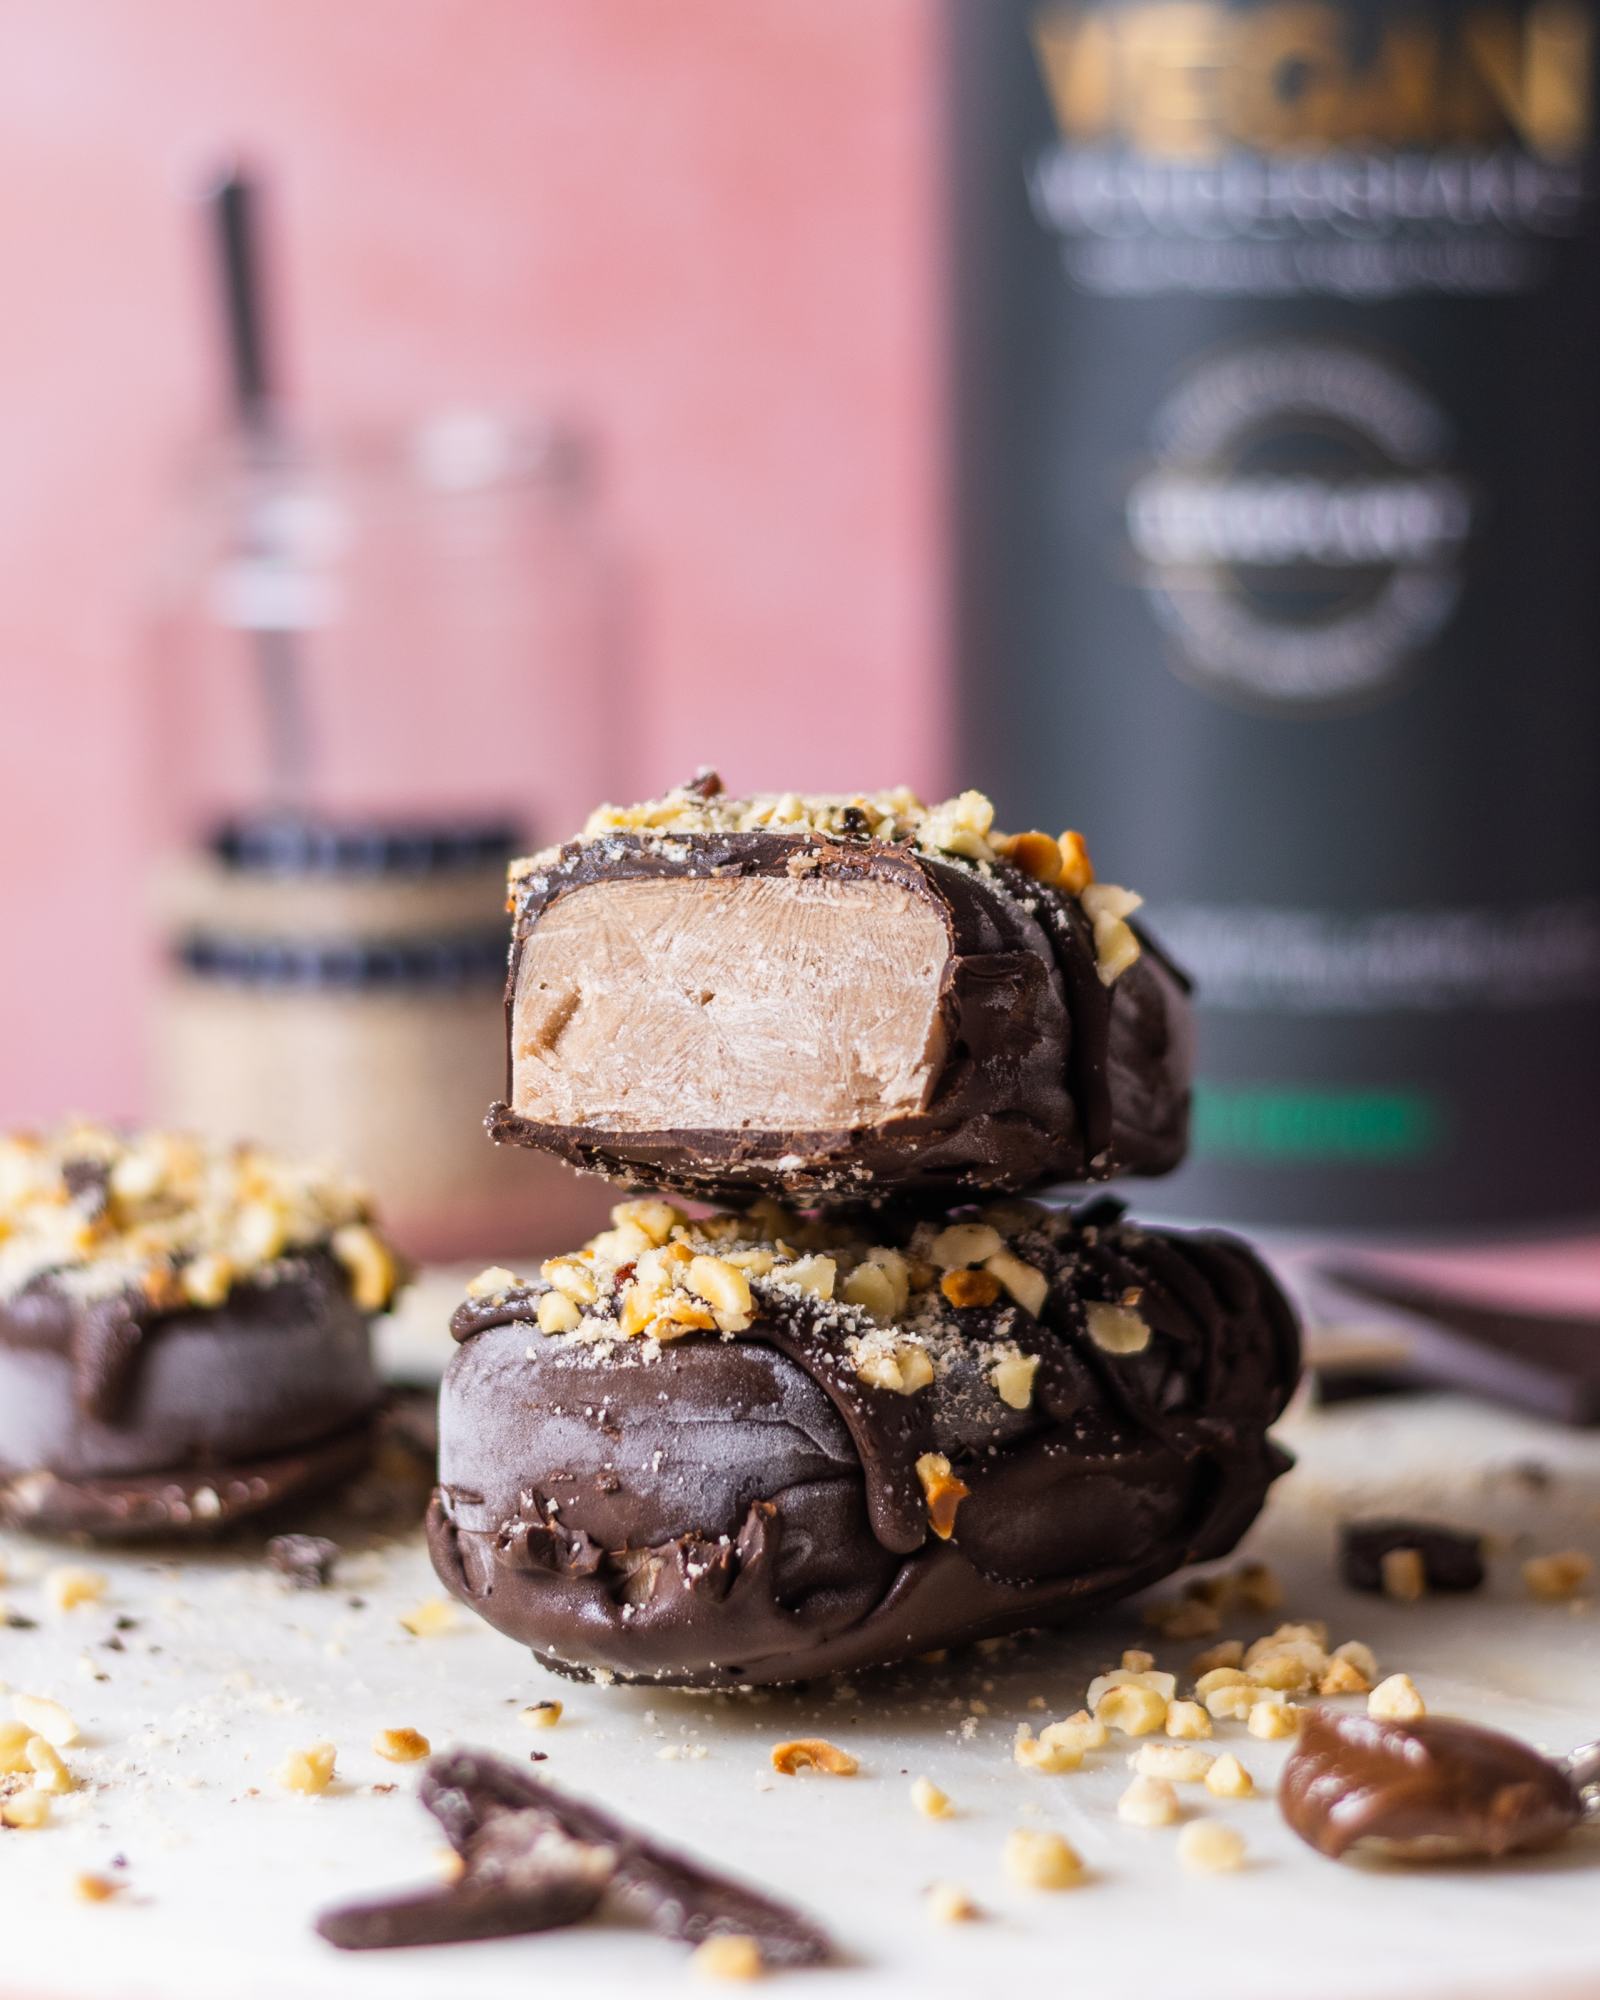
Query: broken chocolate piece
x,y
1545,1363
1451,1558
535,1857
719,1503
185,1332
724,1007
1434,1790
305,1560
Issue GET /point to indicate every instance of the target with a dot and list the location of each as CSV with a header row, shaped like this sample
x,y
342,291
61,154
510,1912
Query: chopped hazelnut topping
x,y
541,1714
1116,944
813,1753
1187,1719
874,1289
1210,1848
946,1903
814,1274
1041,1860
1228,1778
1404,1574
556,1313
1148,1802
1011,1378
572,1278
1036,854
401,1746
309,1770
1272,1718
970,1288
1115,1329
492,1283
1024,1282
929,1800
368,1262
727,1956
25,1809
431,1617
45,1718
1077,870
725,1289
1133,1710
905,1368
655,1219
943,1492
1396,1700
1557,1577
69,1587
964,1244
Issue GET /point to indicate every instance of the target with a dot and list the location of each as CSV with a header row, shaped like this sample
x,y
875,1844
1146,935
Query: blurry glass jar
x,y
380,670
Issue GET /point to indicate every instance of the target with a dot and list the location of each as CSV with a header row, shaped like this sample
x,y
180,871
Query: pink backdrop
x,y
708,228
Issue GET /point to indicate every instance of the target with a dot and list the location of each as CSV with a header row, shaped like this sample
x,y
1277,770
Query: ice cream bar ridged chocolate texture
x,y
826,1490
830,1018
184,1332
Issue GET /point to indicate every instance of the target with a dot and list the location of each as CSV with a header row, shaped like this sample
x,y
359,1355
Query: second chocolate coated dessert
x,y
833,999
185,1332
759,1448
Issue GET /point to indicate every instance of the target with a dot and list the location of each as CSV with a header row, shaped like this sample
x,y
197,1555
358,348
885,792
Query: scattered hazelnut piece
x,y
50,1773
1187,1719
540,1714
1137,1661
1232,1703
25,1809
14,1740
943,1492
1148,1802
1077,870
727,1956
45,1718
1184,1618
1286,1673
1210,1848
431,1617
367,1262
95,1888
814,1274
1041,1860
572,1277
813,1753
905,1369
657,1219
1220,1677
1046,1753
1359,1656
1225,1653
1404,1574
947,1903
308,1771
68,1587
492,1283
725,1289
1257,1588
1343,1677
401,1746
1115,1329
1557,1577
1178,1763
872,1288
1396,1700
1272,1719
1165,1685
1134,1710
930,1801
1036,854
1228,1778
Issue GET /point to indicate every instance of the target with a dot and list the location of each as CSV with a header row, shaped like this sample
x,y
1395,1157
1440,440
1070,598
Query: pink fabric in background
x,y
709,229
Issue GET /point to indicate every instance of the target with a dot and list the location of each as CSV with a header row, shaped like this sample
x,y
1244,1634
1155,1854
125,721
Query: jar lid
x,y
367,965
290,845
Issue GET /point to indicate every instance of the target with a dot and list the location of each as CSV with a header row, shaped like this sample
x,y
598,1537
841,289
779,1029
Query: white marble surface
x,y
226,1669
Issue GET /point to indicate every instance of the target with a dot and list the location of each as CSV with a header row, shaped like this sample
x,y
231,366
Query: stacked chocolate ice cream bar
x,y
885,1400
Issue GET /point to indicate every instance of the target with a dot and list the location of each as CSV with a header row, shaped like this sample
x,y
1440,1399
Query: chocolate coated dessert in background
x,y
761,1447
836,998
1433,1790
184,1331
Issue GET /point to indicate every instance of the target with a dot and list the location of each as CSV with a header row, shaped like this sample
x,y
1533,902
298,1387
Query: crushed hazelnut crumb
x,y
1396,1700
946,1903
1178,1763
541,1714
1114,1329
1272,1719
1228,1778
429,1618
1187,1719
401,1746
68,1587
929,1800
943,1492
1148,1802
1209,1848
813,1753
95,1888
308,1771
1038,1859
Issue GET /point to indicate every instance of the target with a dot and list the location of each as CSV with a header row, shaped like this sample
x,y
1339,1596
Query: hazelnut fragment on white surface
x,y
1228,1778
1396,1700
541,1714
69,1586
948,1903
308,1771
429,1618
813,1753
929,1800
401,1746
727,1957
1148,1802
1557,1577
1038,1859
1209,1848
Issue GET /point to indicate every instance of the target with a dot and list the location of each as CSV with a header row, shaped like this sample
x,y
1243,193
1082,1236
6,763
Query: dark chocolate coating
x,y
1452,1559
1430,1790
747,1510
1049,1075
119,1420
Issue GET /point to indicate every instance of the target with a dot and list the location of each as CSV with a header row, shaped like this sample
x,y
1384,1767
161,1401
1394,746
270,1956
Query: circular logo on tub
x,y
1298,529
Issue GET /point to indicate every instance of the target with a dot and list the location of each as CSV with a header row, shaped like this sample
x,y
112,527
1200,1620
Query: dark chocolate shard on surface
x,y
535,1858
831,1017
1432,1790
1545,1363
711,1510
1451,1558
